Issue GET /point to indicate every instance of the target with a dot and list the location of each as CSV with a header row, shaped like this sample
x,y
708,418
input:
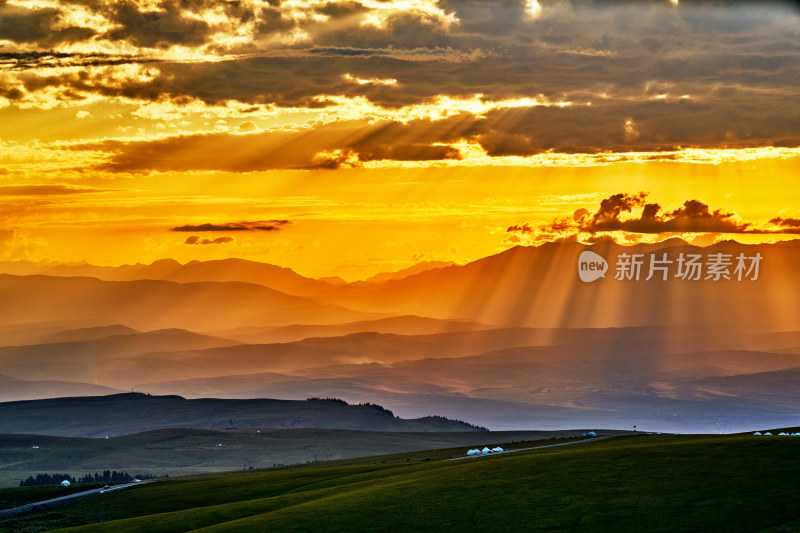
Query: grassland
x,y
176,452
644,483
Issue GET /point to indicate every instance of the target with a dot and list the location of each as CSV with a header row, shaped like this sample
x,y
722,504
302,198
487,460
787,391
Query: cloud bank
x,y
264,225
513,77
617,213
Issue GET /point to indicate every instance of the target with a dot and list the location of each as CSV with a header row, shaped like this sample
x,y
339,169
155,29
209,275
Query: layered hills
x,y
514,340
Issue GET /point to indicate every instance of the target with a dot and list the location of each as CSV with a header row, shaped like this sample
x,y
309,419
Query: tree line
x,y
107,476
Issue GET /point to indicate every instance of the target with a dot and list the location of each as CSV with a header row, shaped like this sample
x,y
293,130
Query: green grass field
x,y
644,483
176,452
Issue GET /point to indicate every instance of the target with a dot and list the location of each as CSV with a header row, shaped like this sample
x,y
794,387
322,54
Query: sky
x,y
349,138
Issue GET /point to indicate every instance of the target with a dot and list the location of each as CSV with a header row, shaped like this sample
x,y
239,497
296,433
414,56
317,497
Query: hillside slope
x,y
119,414
175,452
653,483
150,304
539,286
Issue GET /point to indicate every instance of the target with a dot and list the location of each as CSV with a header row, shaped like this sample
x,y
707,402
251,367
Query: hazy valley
x,y
530,348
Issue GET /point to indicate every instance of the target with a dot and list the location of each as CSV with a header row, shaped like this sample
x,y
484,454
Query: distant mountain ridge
x,y
276,277
16,389
120,414
534,286
539,286
159,304
398,325
109,347
514,338
410,271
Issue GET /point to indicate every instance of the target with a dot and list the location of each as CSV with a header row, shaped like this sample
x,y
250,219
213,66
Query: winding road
x,y
61,500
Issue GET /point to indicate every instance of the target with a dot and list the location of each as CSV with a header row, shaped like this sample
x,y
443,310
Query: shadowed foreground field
x,y
645,483
181,452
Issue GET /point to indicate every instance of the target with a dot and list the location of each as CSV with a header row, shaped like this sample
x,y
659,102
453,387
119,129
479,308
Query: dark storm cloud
x,y
263,225
347,52
271,21
289,81
194,239
658,126
22,25
786,222
370,151
518,131
21,61
519,228
694,216
745,113
659,77
328,146
278,81
337,10
161,28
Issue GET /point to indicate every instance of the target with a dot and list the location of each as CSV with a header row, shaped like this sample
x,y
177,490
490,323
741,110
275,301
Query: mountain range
x,y
514,340
523,286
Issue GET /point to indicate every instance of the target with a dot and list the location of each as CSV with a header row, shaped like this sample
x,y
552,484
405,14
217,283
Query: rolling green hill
x,y
647,483
192,451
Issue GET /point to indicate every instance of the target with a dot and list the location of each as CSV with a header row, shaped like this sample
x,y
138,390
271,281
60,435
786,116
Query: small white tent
x,y
65,483
485,450
757,433
497,449
767,433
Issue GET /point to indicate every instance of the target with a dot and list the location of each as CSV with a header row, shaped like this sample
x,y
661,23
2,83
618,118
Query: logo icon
x,y
591,266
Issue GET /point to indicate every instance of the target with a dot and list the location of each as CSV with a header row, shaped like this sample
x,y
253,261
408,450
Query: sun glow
x,y
379,129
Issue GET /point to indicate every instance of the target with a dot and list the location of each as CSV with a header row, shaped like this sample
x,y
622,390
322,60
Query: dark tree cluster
x,y
107,476
437,417
318,399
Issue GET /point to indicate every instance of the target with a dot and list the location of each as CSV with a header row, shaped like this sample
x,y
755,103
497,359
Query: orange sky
x,y
383,146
